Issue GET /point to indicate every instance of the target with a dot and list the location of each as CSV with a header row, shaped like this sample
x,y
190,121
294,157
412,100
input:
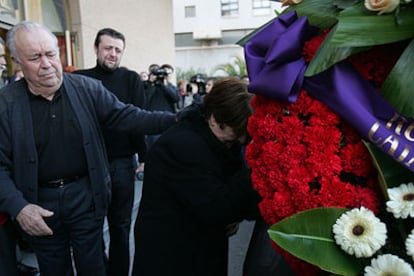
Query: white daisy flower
x,y
359,232
409,244
388,265
401,203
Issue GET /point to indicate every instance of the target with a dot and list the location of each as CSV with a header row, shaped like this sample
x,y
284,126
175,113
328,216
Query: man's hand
x,y
31,220
140,168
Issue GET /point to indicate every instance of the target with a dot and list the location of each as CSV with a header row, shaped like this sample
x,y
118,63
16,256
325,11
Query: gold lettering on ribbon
x,y
399,120
393,140
372,131
404,154
408,133
410,162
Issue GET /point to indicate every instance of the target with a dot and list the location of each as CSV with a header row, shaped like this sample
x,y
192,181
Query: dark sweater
x,y
161,97
127,86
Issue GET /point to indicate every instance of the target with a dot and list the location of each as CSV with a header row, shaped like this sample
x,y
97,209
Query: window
x,y
229,7
261,7
189,11
231,37
228,38
186,40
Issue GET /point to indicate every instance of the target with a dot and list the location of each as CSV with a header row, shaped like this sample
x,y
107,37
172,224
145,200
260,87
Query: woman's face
x,y
224,133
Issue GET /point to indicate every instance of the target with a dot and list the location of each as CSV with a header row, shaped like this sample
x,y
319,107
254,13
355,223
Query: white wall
x,y
147,26
205,60
208,18
208,15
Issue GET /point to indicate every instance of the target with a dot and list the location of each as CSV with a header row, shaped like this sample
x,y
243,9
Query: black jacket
x,y
94,106
160,97
193,187
127,86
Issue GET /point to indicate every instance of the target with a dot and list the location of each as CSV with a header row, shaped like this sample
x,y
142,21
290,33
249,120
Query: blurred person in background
x,y
210,83
159,94
198,84
8,263
143,75
18,74
185,91
170,71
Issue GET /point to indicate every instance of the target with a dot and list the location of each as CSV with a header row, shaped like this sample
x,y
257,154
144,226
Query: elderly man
x,y
54,174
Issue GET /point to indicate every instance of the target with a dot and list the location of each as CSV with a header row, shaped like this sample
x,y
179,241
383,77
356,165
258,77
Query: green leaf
x,y
358,27
320,13
391,173
328,55
343,4
398,87
308,236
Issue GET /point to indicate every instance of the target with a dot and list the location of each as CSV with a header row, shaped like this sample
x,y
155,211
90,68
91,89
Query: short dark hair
x,y
168,66
229,102
109,32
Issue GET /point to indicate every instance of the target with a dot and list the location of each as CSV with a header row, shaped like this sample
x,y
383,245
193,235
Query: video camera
x,y
200,81
160,74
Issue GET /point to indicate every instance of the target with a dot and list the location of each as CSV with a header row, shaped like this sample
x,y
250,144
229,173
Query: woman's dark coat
x,y
193,187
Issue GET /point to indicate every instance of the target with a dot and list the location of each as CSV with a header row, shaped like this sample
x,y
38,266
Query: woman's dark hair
x,y
229,102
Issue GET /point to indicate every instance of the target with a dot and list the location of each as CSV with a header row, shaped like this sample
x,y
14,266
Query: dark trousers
x,y
75,227
8,263
119,214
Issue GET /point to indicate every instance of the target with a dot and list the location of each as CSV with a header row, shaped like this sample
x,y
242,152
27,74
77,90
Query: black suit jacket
x,y
94,107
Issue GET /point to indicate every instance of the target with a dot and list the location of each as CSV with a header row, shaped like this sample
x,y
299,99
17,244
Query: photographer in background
x,y
185,91
169,70
198,83
210,83
160,94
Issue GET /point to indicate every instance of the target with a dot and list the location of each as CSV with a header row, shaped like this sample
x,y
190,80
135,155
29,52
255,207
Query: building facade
x,y
193,35
147,26
206,32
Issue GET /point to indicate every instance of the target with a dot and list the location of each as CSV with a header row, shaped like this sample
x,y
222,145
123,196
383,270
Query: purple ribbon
x,y
276,69
275,54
